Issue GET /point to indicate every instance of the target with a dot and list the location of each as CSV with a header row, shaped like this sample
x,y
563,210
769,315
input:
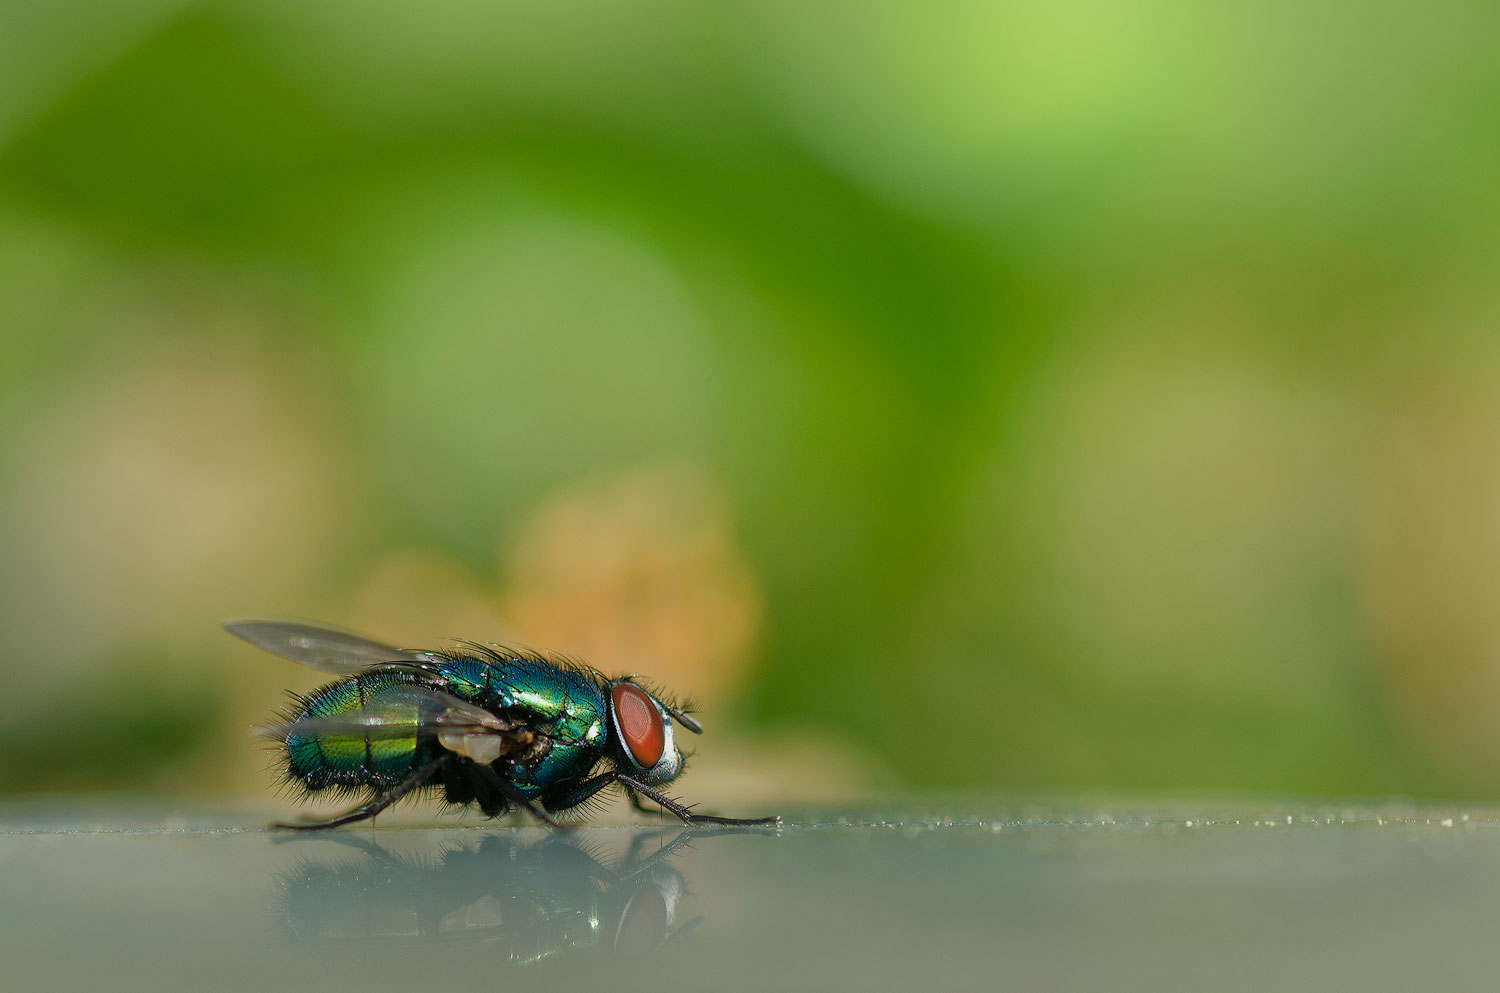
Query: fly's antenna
x,y
679,709
686,720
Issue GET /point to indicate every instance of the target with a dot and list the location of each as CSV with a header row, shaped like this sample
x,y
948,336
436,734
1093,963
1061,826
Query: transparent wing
x,y
407,710
400,712
324,649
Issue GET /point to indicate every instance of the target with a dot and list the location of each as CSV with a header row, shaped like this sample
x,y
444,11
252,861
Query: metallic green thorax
x,y
558,710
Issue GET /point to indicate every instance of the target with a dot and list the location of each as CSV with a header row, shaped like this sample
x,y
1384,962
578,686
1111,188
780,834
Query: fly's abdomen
x,y
365,730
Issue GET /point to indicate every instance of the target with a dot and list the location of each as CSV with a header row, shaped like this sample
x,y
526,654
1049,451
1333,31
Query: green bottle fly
x,y
499,728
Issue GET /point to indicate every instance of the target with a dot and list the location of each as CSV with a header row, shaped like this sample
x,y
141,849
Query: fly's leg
x,y
632,786
688,817
581,792
508,790
456,787
478,789
635,801
375,806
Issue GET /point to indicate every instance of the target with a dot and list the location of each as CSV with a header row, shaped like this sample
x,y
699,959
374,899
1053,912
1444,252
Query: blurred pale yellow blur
x,y
963,395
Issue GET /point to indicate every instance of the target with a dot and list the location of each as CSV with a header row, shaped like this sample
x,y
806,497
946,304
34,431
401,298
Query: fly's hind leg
x,y
368,810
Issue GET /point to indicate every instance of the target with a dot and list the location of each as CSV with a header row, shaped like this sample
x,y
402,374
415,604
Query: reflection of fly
x,y
530,902
498,727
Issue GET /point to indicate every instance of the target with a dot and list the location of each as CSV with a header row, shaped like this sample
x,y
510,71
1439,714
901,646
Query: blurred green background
x,y
955,395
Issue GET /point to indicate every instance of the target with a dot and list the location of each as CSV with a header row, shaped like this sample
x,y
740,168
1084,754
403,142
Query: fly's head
x,y
643,726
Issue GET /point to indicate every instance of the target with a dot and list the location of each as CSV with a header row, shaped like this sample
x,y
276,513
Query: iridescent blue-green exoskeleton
x,y
501,728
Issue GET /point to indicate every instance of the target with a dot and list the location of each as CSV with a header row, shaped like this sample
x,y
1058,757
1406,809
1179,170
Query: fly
x,y
500,728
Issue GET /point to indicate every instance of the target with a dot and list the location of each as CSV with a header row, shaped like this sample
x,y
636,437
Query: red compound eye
x,y
640,724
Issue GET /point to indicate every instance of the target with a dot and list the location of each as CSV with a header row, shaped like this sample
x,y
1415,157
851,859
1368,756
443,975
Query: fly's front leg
x,y
687,816
581,792
635,801
633,787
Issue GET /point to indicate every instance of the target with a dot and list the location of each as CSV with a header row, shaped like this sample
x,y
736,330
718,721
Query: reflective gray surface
x,y
1064,895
